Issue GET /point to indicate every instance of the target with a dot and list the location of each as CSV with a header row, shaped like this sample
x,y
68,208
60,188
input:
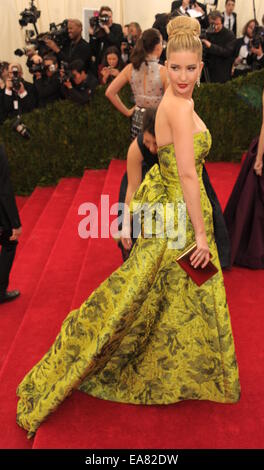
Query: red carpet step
x,y
62,265
33,248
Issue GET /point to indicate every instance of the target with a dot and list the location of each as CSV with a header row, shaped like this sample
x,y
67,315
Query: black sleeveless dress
x,y
220,230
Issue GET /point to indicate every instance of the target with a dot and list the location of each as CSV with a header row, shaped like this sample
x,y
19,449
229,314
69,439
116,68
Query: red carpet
x,y
71,270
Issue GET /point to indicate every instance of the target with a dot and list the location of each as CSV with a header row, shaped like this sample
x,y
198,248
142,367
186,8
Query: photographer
x,y
193,9
108,34
230,17
255,58
242,50
77,49
47,81
219,49
18,95
111,66
3,74
79,85
129,42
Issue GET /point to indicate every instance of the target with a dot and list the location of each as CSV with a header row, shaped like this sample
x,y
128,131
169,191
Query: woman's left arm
x,y
164,77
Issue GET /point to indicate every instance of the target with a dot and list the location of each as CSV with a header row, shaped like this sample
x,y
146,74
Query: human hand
x,y
37,59
9,84
201,256
258,167
16,232
21,89
125,237
131,111
37,75
106,71
114,72
68,84
52,45
207,43
105,28
258,51
238,60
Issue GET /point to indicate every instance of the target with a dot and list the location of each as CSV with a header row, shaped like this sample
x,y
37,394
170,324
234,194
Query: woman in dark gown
x,y
244,213
142,155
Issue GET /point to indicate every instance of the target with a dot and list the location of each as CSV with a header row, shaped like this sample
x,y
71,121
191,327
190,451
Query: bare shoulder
x,y
127,71
179,109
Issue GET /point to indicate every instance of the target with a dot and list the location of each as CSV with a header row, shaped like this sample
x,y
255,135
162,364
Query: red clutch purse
x,y
198,275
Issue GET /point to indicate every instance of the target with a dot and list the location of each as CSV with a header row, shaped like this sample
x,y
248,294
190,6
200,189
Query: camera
x,y
129,44
97,21
258,37
21,128
16,80
58,33
67,73
29,15
205,32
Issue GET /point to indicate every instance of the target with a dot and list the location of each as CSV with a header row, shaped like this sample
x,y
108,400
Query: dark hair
x,y
136,25
51,57
244,31
216,14
149,121
113,50
104,9
78,65
144,46
3,66
226,1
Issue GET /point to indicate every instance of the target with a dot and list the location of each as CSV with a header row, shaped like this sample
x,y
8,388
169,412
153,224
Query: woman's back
x,y
147,85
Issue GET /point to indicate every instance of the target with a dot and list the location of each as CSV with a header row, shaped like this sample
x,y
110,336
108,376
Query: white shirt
x,y
229,19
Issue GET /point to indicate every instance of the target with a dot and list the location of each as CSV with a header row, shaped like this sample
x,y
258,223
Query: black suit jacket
x,y
100,45
25,105
81,51
9,217
234,29
220,56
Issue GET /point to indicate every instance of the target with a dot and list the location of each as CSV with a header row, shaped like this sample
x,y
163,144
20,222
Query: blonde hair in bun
x,y
184,35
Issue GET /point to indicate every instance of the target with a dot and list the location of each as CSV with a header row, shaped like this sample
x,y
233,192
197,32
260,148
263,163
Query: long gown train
x,y
147,335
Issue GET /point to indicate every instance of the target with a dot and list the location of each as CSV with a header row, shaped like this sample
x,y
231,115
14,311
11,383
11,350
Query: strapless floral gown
x,y
147,335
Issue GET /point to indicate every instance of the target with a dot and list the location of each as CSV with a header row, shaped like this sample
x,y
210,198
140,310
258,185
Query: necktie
x,y
229,23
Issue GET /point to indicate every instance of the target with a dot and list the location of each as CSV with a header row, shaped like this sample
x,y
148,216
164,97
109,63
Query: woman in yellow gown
x,y
148,334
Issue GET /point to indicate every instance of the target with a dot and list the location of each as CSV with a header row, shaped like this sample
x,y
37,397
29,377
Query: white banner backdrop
x,y
125,11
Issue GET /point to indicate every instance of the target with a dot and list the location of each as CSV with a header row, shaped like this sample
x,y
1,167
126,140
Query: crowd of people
x,y
74,70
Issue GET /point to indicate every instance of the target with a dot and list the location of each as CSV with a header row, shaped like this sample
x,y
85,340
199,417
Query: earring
x,y
198,83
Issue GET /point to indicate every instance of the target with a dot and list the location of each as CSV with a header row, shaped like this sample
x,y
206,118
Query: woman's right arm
x,y
134,177
259,159
117,84
181,121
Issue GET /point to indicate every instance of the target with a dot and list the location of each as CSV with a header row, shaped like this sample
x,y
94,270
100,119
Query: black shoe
x,y
9,296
